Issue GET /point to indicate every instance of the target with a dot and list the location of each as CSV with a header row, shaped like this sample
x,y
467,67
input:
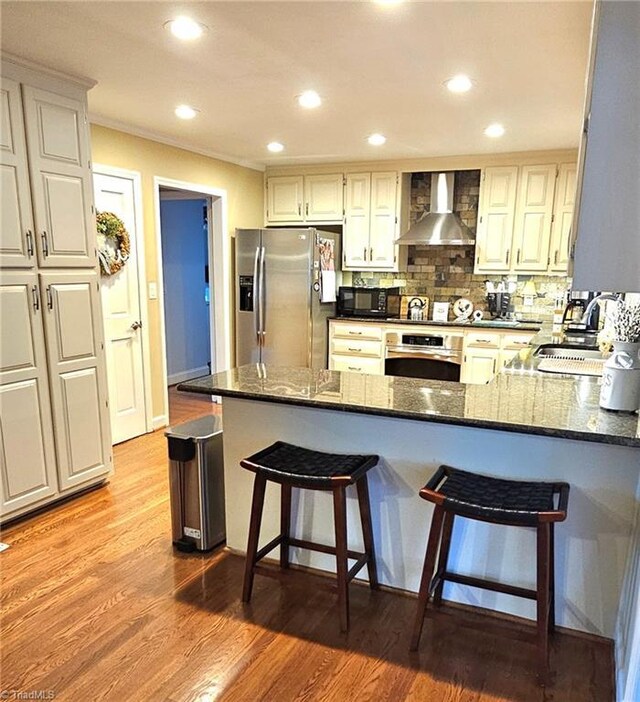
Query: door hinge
x,y
585,124
396,220
397,179
97,286
553,218
93,209
106,402
102,346
89,162
344,181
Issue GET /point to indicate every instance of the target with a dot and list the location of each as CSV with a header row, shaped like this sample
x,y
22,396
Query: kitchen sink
x,y
569,352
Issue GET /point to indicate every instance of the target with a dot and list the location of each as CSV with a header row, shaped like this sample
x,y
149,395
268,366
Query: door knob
x,y
136,325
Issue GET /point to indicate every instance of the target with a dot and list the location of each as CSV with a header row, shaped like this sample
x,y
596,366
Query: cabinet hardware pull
x,y
299,209
354,368
355,333
371,253
355,350
306,209
365,253
45,244
555,257
483,341
494,366
29,243
35,297
518,257
508,252
49,298
136,325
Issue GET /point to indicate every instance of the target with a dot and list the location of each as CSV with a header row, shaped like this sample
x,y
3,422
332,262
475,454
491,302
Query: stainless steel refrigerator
x,y
282,276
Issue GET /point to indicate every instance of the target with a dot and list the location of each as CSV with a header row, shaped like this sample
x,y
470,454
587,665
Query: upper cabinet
x,y
371,221
607,222
524,219
58,151
301,199
16,242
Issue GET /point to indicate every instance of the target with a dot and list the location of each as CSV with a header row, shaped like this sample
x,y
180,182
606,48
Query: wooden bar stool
x,y
293,466
457,492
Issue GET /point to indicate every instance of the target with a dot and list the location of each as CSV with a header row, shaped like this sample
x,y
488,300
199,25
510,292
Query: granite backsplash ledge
x,y
445,273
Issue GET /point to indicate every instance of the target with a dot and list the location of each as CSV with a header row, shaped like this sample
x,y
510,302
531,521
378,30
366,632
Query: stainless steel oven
x,y
430,356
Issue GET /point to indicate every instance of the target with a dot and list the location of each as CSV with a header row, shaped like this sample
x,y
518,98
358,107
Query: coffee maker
x,y
575,308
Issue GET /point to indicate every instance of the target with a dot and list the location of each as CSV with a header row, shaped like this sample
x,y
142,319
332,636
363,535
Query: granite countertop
x,y
522,400
484,324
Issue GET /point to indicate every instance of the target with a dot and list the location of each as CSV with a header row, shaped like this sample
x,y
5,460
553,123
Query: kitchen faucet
x,y
604,296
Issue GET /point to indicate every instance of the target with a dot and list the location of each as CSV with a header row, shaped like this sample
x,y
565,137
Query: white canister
x,y
621,378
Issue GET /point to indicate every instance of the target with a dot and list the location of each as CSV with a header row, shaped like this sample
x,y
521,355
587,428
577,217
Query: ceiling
x,y
377,68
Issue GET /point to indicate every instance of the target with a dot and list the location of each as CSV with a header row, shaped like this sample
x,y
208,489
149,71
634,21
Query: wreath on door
x,y
114,245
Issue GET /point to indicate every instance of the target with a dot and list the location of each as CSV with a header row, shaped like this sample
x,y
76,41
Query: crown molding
x,y
168,141
20,62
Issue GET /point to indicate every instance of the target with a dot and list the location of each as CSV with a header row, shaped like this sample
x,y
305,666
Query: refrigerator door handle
x,y
263,320
256,291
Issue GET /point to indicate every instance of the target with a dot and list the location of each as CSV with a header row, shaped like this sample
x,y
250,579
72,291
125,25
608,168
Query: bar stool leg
x,y
445,545
362,486
340,515
552,579
427,573
285,524
257,504
543,539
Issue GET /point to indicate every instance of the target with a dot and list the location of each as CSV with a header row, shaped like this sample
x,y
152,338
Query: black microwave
x,y
369,302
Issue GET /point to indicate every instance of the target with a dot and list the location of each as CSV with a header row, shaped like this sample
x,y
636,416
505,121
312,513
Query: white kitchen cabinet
x,y
324,197
300,199
371,221
284,198
496,217
58,154
27,456
357,364
75,349
607,221
563,208
534,211
16,223
355,235
479,365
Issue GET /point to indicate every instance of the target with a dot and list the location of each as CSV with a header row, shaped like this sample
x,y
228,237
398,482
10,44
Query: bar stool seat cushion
x,y
286,463
494,499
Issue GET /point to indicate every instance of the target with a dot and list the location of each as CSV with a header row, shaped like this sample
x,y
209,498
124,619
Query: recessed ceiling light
x,y
275,147
185,112
459,83
494,130
185,28
377,139
309,99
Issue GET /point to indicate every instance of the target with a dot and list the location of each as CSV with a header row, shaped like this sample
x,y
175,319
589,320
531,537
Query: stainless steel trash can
x,y
196,484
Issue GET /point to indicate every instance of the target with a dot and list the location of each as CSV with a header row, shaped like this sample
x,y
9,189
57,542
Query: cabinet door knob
x,y
136,325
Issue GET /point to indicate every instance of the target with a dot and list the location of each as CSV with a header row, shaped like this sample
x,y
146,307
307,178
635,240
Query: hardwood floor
x,y
97,605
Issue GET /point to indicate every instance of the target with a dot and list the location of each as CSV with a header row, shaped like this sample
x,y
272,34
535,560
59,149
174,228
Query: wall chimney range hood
x,y
440,226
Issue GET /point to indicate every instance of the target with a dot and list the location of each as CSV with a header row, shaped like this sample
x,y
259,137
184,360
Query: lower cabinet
x,y
357,364
27,455
479,365
54,426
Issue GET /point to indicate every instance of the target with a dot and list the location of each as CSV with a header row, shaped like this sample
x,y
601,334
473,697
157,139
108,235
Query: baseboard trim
x,y
183,376
159,422
450,604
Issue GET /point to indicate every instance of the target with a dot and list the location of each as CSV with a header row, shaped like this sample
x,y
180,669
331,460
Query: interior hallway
x,y
114,612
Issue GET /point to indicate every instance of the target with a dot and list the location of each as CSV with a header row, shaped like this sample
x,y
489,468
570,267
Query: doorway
x,y
184,221
193,281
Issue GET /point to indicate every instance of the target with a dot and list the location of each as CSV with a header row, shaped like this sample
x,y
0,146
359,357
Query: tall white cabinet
x,y
54,423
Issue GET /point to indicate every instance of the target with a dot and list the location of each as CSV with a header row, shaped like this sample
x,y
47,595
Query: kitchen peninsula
x,y
523,425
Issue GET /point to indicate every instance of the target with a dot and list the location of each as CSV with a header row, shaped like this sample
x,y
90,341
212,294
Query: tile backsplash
x,y
445,273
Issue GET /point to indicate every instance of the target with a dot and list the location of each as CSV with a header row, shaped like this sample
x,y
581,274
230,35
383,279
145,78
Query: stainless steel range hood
x,y
441,225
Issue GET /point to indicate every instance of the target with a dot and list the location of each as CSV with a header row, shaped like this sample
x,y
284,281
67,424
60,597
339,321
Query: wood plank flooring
x,y
97,605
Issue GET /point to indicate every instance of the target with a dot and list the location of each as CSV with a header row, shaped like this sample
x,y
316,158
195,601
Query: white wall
x,y
184,256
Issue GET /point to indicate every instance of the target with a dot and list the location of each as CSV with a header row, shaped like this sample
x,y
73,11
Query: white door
x,y
77,378
27,457
496,217
323,195
58,147
16,223
121,311
563,206
284,199
355,237
533,218
382,226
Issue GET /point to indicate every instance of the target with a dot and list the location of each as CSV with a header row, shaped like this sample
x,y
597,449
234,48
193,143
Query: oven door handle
x,y
416,352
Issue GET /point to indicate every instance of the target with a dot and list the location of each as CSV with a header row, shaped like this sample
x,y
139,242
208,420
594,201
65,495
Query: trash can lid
x,y
197,429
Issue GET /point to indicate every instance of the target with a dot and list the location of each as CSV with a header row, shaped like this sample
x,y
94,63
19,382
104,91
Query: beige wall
x,y
245,194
